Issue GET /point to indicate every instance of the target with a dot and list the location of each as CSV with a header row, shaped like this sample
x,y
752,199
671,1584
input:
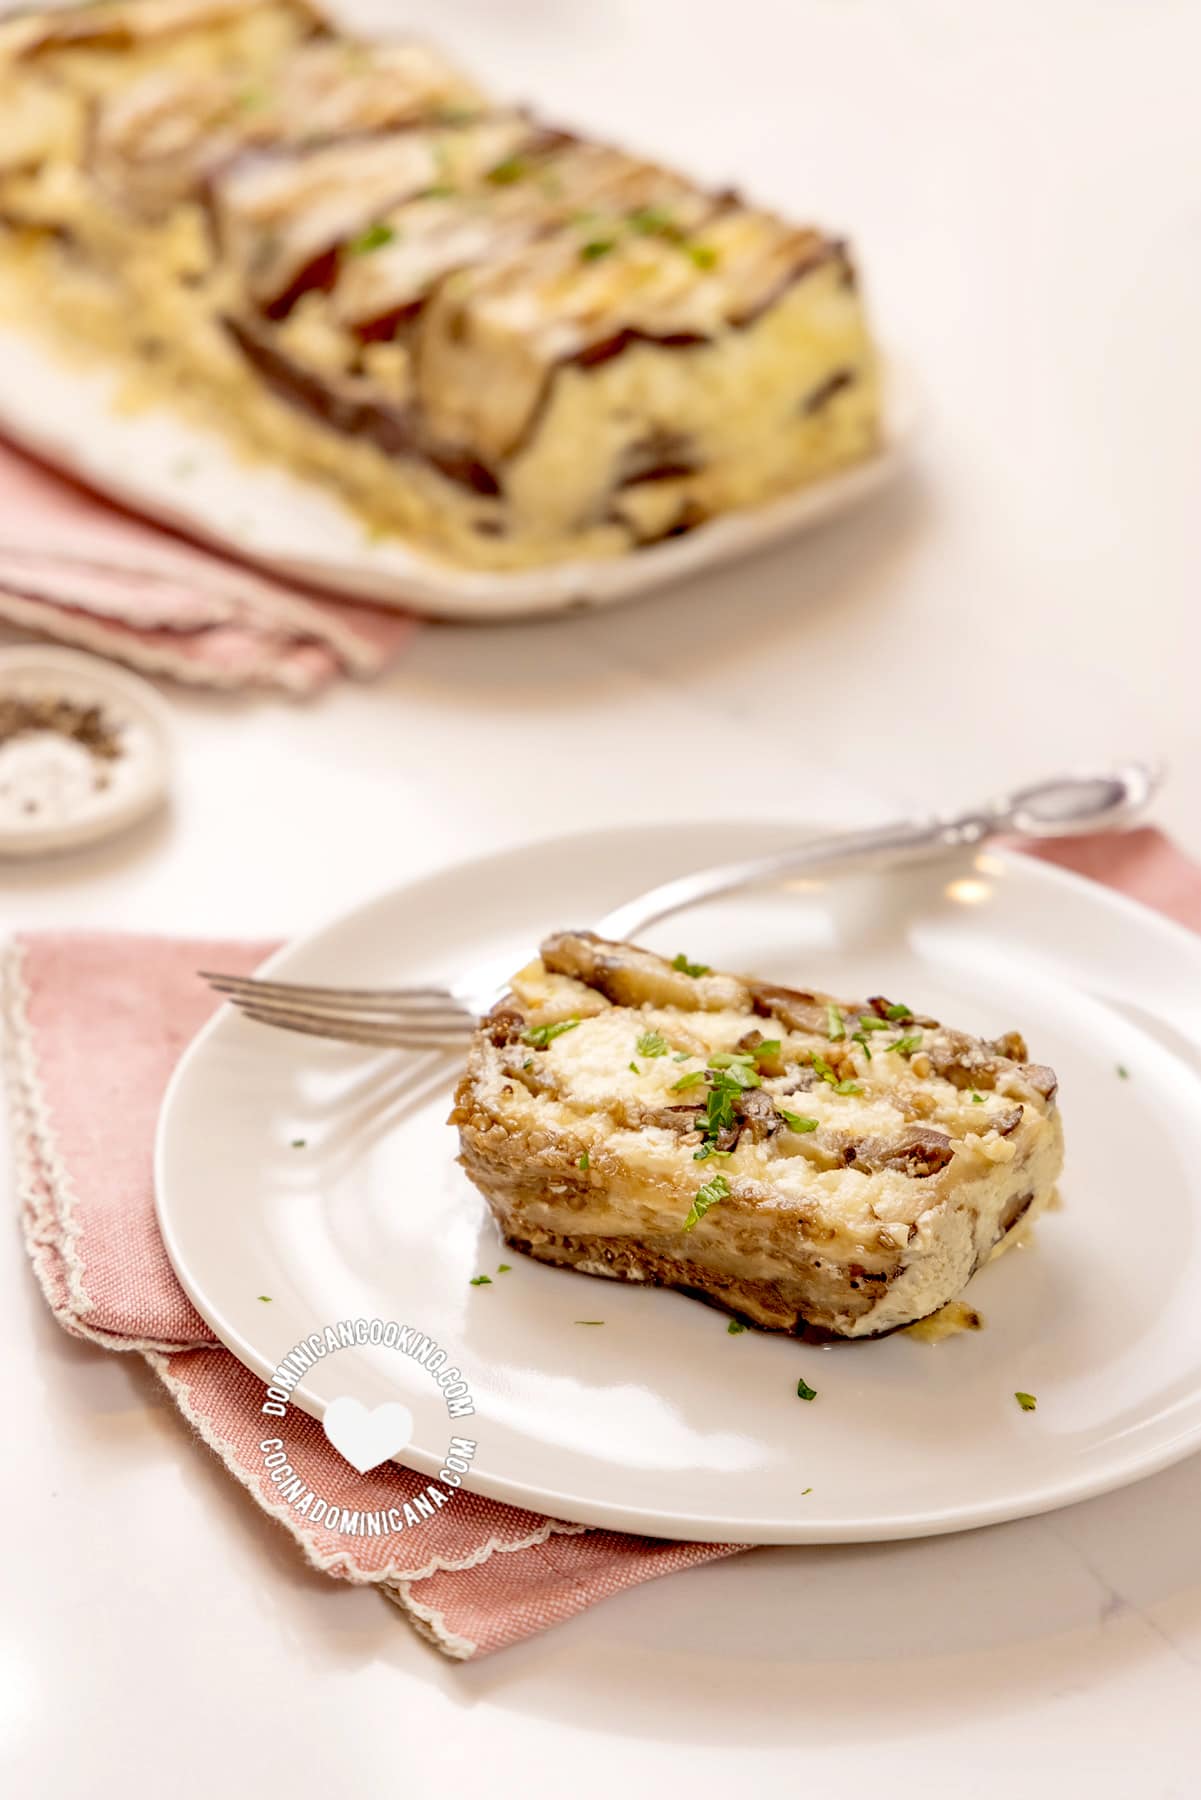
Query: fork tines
x,y
407,1018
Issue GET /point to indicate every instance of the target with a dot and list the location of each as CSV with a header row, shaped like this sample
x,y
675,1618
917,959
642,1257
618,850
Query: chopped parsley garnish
x,y
481,1281
905,1046
635,1069
1123,1072
512,169
583,1161
726,1085
528,1063
692,1079
504,1268
769,1048
685,967
374,238
898,1012
265,1297
681,1056
703,255
541,1035
590,1321
827,1074
595,248
977,1099
299,1143
869,1022
797,1121
804,1391
835,1024
651,221
1027,1402
652,1043
735,1066
708,1150
735,1326
713,1191
860,1038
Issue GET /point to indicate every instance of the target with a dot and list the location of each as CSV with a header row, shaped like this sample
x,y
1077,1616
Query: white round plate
x,y
163,466
659,1420
54,795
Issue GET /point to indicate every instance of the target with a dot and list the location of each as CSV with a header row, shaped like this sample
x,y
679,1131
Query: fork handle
x,y
1063,806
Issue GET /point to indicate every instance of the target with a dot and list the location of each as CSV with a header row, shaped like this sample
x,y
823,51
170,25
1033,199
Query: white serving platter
x,y
190,479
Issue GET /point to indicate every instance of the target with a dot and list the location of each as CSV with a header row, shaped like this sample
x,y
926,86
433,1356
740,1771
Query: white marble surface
x,y
1021,179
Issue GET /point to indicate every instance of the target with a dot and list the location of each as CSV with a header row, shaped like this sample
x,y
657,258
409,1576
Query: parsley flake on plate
x,y
1027,1402
804,1391
299,1143
905,1046
504,1268
265,1297
735,1326
481,1281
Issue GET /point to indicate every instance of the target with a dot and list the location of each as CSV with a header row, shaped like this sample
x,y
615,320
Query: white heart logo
x,y
367,1437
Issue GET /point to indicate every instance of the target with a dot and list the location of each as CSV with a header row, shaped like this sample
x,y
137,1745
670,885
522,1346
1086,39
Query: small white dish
x,y
58,792
192,480
291,1168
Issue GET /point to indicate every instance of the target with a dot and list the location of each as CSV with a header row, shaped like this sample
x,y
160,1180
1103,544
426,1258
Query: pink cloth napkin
x,y
85,573
93,1026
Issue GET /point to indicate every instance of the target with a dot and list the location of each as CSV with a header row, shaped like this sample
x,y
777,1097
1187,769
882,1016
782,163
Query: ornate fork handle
x,y
1064,806
441,1018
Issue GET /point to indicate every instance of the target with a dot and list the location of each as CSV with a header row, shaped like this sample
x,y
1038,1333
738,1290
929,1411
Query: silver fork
x,y
433,1018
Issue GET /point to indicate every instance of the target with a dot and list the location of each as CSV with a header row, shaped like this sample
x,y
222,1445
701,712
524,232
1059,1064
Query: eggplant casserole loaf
x,y
807,1163
497,339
